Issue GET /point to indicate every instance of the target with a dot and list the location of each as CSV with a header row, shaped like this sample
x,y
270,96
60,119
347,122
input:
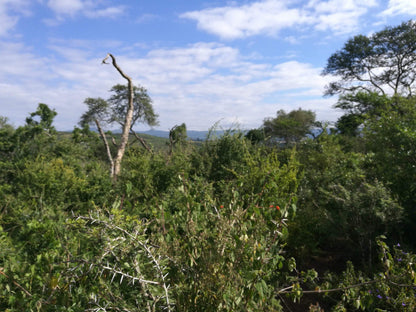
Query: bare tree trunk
x,y
128,120
107,147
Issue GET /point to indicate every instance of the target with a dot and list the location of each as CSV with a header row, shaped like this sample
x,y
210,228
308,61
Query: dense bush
x,y
342,208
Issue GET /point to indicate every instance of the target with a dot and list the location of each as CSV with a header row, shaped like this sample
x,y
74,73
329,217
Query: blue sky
x,y
202,62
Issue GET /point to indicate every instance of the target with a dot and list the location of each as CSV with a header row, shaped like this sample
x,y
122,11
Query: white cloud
x,y
110,12
339,16
23,76
269,17
88,8
207,82
199,84
265,17
400,7
10,11
145,18
66,7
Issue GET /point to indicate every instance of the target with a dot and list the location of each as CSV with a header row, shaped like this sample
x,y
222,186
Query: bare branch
x,y
142,141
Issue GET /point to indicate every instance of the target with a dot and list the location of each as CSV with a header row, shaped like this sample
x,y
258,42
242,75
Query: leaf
x,y
259,287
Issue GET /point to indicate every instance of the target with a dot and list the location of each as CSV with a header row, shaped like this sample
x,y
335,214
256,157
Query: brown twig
x,y
15,283
286,291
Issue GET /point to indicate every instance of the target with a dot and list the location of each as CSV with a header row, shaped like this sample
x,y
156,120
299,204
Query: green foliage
x,y
45,115
6,134
369,68
383,62
227,155
114,109
125,107
256,135
47,182
391,289
224,255
226,225
85,262
291,127
143,108
221,246
37,137
341,208
177,136
127,270
391,139
359,107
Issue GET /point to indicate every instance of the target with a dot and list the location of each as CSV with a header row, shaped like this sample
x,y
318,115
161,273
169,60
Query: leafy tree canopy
x,y
383,62
42,118
178,133
358,108
114,109
255,135
127,105
292,126
177,136
391,138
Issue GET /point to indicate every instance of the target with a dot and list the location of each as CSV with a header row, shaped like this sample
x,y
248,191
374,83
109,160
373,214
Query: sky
x,y
203,62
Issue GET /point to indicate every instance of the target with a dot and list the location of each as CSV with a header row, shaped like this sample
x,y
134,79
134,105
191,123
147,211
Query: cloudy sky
x,y
202,61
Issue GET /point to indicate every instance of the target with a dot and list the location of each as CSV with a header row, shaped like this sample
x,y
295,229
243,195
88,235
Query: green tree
x,y
292,126
391,142
114,109
128,105
45,116
383,62
342,207
369,68
256,135
37,136
358,107
6,132
177,136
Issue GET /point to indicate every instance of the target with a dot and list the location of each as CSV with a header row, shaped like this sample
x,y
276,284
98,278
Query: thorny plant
x,y
129,256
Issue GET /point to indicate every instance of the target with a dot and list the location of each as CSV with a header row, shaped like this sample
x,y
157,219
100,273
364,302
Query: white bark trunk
x,y
107,147
128,120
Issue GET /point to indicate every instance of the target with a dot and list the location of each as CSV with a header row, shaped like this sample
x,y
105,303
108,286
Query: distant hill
x,y
192,134
202,135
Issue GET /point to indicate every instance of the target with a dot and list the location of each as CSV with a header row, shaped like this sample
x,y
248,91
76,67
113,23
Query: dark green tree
x,y
291,127
42,118
383,62
177,135
368,69
391,141
37,136
143,109
359,107
6,132
342,208
256,135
